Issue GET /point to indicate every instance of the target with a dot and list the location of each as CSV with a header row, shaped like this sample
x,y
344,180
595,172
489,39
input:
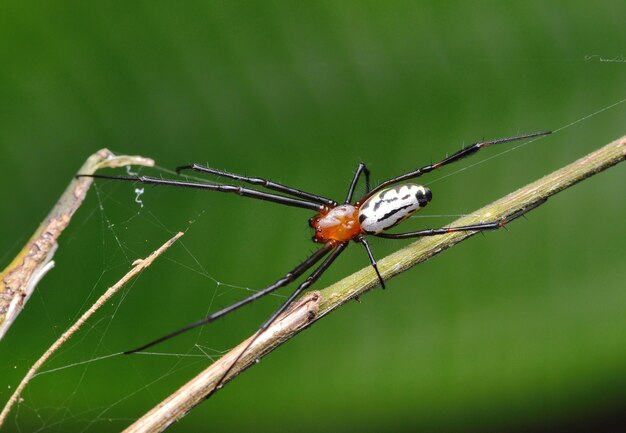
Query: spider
x,y
334,224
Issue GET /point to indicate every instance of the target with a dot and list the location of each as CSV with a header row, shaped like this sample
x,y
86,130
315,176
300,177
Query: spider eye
x,y
313,221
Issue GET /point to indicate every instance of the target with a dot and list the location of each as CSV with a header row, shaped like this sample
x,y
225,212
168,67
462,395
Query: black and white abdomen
x,y
391,206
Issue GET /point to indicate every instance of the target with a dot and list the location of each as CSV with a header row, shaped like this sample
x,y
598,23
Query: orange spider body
x,y
340,224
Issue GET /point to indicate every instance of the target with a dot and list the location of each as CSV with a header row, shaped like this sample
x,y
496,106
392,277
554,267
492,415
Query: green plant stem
x,y
316,304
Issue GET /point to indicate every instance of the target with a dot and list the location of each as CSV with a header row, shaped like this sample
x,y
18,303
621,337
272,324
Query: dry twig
x,y
19,279
140,265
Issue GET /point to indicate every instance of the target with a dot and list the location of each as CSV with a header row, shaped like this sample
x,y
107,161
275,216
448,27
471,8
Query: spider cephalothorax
x,y
339,223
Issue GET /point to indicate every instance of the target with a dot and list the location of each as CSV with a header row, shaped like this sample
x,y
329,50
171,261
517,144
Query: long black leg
x,y
494,225
259,181
372,259
299,270
357,174
452,158
246,192
302,287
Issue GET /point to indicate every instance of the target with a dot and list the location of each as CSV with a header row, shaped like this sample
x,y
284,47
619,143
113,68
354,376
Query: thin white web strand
x,y
527,142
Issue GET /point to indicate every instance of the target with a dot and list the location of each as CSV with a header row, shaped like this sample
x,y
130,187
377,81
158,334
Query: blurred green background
x,y
523,329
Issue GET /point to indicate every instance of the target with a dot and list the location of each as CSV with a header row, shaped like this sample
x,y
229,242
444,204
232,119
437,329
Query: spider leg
x,y
465,152
259,181
246,192
372,259
493,225
338,249
288,278
360,169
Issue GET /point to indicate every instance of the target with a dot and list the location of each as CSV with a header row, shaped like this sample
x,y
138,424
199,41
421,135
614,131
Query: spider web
x,y
118,251
131,224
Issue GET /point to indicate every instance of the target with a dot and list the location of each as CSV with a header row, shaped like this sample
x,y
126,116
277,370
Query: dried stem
x,y
140,265
316,304
19,279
